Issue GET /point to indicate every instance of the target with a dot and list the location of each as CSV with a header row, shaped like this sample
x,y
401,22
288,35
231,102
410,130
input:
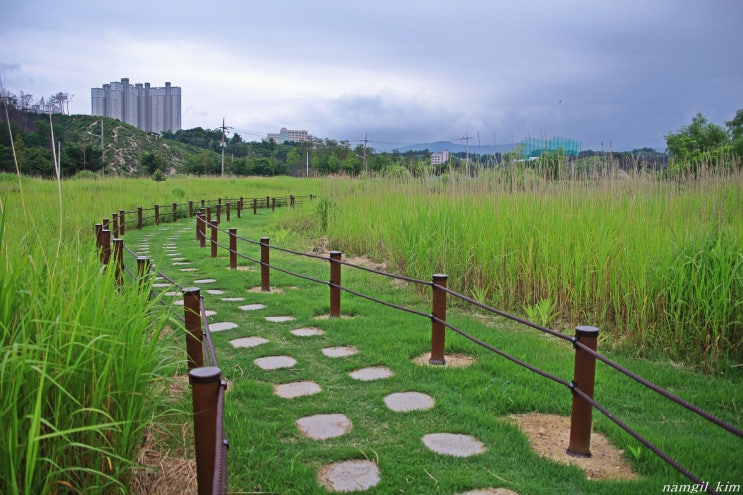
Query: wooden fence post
x,y
190,209
105,246
143,268
214,238
255,206
265,261
438,330
201,223
335,282
194,332
175,212
157,214
205,383
119,260
273,204
227,211
122,223
233,248
583,377
115,221
219,211
139,218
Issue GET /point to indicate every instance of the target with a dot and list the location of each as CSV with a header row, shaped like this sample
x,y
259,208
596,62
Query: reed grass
x,y
655,261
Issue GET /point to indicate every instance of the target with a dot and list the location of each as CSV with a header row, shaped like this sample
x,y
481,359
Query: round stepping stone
x,y
279,319
409,401
336,352
371,374
307,332
215,292
296,389
349,476
252,307
453,444
275,362
233,299
222,326
324,426
248,342
204,281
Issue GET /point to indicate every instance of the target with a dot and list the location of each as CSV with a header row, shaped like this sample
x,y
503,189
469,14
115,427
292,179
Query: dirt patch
x,y
322,250
274,290
451,360
549,436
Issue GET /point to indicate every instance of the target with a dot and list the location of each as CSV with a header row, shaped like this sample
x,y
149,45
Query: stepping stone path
x,y
345,476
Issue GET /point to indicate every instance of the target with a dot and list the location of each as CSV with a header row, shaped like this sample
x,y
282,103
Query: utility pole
x,y
466,140
222,144
366,140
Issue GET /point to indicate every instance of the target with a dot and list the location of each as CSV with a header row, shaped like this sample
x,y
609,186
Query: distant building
x,y
288,135
150,109
439,157
534,147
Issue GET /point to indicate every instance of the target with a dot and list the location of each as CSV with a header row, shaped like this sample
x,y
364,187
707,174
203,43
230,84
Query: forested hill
x,y
85,142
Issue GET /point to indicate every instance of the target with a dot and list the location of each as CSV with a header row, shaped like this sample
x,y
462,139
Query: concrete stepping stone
x,y
252,307
181,263
222,326
296,389
161,285
279,319
409,401
371,374
172,254
453,444
179,302
275,362
215,292
307,332
336,352
209,312
232,299
349,476
204,281
173,293
248,342
489,491
189,269
324,426
178,259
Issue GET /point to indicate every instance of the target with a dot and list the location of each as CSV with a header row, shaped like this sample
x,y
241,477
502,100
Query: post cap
x,y
205,374
586,331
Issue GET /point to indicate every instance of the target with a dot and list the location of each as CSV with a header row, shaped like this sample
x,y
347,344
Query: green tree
x,y
699,142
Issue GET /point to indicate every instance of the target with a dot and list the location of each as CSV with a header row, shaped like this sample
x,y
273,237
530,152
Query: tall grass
x,y
624,252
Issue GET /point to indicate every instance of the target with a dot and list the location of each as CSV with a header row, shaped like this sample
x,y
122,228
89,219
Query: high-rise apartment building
x,y
150,109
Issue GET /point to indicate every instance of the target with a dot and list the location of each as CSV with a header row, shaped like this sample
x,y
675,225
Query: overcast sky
x,y
611,73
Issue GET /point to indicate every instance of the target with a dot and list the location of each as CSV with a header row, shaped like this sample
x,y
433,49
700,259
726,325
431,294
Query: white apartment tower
x,y
150,109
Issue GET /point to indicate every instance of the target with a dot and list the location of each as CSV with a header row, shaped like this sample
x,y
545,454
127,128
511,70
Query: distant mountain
x,y
452,147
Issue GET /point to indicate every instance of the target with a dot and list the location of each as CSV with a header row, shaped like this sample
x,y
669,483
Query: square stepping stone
x,y
336,352
232,299
252,307
279,319
222,326
296,389
371,374
307,332
215,292
275,362
409,401
248,342
204,281
453,444
324,426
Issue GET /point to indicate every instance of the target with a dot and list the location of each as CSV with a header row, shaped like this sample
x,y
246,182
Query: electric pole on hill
x,y
222,144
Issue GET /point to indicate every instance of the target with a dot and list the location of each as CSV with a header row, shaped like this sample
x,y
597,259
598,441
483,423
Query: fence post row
x,y
233,248
583,378
335,282
194,332
265,270
438,330
214,239
205,383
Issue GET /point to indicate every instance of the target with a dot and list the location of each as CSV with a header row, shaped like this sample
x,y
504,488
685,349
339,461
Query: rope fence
x,y
208,377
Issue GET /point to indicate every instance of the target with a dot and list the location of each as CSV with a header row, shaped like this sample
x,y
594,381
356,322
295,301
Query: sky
x,y
613,74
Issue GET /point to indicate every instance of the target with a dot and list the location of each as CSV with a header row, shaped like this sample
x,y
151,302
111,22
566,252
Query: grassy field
x,y
656,263
66,434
